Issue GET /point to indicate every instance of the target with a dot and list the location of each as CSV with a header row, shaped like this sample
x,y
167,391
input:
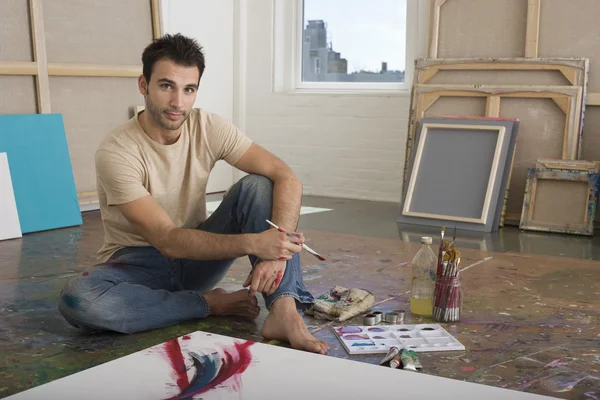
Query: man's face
x,y
171,93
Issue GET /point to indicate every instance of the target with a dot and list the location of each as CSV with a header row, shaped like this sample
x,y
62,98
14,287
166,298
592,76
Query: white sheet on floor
x,y
10,227
211,206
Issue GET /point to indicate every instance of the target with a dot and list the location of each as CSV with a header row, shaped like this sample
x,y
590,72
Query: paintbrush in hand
x,y
304,246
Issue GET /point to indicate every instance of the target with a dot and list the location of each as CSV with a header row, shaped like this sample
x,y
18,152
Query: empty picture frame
x,y
459,173
567,98
579,165
508,71
503,71
560,200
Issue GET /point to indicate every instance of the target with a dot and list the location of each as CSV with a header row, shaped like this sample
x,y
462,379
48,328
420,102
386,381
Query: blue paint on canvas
x,y
41,172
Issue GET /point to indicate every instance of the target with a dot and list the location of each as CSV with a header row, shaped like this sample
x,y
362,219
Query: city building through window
x,y
354,41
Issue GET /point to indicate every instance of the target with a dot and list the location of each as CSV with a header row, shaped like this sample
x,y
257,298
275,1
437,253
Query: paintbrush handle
x,y
276,227
314,253
304,246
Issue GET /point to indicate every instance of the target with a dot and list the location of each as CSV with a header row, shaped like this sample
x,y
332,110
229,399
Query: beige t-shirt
x,y
131,165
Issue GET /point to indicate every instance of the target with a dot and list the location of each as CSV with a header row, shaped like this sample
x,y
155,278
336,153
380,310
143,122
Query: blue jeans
x,y
138,289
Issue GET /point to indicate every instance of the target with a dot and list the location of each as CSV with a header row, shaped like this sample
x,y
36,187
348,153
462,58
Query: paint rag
x,y
340,304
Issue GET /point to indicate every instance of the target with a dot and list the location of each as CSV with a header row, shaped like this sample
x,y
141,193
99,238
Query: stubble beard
x,y
161,120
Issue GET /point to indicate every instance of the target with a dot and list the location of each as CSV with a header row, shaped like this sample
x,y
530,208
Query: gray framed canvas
x,y
458,172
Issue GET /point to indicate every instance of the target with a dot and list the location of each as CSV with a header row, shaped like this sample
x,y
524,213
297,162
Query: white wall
x,y
339,145
211,23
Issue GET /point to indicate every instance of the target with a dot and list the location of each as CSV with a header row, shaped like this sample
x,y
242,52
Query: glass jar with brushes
x,y
447,296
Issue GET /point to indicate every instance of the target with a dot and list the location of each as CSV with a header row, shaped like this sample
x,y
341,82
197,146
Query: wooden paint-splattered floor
x,y
531,322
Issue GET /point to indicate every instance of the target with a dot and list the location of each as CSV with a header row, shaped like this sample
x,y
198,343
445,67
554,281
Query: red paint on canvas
x,y
234,360
235,368
237,359
173,352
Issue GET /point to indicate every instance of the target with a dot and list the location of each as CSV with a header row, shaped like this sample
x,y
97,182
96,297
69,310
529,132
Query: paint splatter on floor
x,y
32,280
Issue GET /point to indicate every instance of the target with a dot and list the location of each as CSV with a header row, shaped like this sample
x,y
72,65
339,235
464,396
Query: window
x,y
346,45
358,40
362,46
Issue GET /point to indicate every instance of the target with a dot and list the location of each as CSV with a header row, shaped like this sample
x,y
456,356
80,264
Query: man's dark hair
x,y
177,48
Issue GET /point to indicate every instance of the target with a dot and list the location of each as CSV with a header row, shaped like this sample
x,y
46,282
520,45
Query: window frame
x,y
288,28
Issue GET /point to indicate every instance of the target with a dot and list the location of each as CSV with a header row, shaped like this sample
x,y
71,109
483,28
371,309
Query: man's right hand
x,y
274,245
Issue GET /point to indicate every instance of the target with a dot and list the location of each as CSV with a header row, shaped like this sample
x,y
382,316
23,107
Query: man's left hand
x,y
265,277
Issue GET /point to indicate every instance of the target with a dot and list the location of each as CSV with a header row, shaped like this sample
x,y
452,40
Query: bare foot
x,y
240,303
285,324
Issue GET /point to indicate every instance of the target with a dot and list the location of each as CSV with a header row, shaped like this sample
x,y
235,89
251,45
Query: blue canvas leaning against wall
x,y
41,172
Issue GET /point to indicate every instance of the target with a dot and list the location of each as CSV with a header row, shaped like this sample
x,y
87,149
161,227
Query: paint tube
x,y
416,360
393,352
396,362
407,360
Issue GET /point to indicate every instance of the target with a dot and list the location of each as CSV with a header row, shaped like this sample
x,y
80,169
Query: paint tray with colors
x,y
380,338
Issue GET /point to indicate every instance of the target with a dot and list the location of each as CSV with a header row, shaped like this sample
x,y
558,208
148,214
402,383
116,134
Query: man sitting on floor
x,y
162,256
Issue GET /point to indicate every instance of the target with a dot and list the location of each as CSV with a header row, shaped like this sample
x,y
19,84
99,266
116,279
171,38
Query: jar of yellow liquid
x,y
423,279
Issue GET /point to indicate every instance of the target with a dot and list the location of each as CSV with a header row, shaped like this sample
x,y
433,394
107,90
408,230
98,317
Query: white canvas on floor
x,y
211,206
10,227
207,366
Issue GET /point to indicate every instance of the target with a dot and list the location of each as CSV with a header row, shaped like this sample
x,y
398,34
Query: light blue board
x,y
41,172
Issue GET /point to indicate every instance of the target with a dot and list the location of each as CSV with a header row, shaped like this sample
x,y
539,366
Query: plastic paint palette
x,y
379,338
